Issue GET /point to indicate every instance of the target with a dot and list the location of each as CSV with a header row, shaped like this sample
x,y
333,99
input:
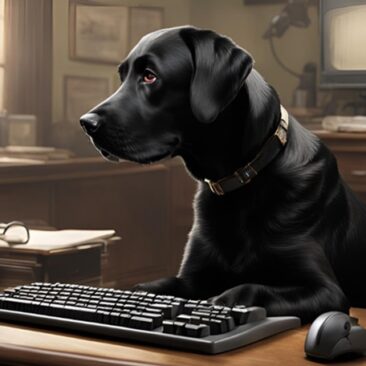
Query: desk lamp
x,y
295,13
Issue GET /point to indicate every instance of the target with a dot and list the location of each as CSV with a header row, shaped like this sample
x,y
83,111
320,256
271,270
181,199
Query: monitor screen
x,y
343,29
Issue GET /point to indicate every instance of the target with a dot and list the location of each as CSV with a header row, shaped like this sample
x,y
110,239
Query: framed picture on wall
x,y
98,32
271,2
144,20
81,94
263,2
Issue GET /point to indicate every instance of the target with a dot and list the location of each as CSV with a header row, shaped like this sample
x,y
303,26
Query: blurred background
x,y
58,58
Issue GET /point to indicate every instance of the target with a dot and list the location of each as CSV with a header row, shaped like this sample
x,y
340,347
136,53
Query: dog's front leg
x,y
312,288
166,286
198,277
304,302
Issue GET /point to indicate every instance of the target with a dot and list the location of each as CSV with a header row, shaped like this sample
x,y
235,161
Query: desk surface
x,y
30,346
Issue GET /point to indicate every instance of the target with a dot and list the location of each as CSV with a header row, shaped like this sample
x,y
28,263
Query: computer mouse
x,y
333,334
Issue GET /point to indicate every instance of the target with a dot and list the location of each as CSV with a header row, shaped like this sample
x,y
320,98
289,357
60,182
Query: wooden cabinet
x,y
94,194
350,151
77,265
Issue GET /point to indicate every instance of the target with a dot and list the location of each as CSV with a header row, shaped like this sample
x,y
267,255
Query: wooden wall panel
x,y
25,202
135,204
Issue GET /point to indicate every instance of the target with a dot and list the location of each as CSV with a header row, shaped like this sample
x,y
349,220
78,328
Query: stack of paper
x,y
49,240
345,123
35,152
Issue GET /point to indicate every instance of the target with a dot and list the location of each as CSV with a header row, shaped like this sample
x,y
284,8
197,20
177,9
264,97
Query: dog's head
x,y
172,80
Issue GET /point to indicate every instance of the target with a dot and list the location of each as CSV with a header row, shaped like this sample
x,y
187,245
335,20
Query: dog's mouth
x,y
169,152
141,157
154,158
108,156
138,159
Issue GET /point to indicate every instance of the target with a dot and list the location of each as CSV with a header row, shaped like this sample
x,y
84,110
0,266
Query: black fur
x,y
294,239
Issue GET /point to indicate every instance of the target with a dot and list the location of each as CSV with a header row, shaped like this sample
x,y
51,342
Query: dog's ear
x,y
220,68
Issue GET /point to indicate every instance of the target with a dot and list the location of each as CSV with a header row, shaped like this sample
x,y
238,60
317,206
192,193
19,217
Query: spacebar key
x,y
75,312
243,315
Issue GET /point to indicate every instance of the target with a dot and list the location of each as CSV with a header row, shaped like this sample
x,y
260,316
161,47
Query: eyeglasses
x,y
14,232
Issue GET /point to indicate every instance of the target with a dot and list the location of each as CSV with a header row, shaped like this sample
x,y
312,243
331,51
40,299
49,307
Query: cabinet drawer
x,y
13,275
350,152
352,164
73,266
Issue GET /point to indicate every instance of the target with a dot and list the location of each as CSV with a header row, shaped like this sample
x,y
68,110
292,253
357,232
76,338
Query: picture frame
x,y
143,20
272,2
263,2
20,130
98,32
81,93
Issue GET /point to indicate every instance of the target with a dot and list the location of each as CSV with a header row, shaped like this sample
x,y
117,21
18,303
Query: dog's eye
x,y
149,77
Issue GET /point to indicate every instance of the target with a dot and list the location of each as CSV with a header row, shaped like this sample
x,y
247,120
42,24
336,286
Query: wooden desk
x,y
22,345
81,264
149,206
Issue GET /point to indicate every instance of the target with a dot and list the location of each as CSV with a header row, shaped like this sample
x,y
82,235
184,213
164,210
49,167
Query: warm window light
x,y
1,54
347,35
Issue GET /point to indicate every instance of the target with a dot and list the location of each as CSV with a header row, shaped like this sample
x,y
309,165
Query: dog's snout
x,y
90,122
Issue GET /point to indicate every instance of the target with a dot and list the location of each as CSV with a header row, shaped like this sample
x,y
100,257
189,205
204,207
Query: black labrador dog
x,y
293,239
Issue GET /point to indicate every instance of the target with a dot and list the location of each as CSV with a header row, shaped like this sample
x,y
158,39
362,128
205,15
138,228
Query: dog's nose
x,y
90,122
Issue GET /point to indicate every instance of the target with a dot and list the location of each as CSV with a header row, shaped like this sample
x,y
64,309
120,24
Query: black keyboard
x,y
167,321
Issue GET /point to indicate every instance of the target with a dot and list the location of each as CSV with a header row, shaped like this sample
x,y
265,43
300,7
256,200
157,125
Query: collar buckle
x,y
215,187
281,134
282,129
246,174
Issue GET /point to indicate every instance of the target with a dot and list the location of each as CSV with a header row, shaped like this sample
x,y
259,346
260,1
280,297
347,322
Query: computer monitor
x,y
343,43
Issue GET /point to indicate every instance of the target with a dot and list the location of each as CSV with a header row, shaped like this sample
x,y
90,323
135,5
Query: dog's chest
x,y
232,233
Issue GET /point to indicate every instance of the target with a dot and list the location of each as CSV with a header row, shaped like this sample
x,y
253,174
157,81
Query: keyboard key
x,y
184,318
25,297
201,313
156,318
217,326
102,316
124,319
79,313
106,303
114,318
228,320
179,328
57,310
153,310
188,308
169,311
110,299
168,326
140,322
245,315
140,293
15,304
194,302
197,330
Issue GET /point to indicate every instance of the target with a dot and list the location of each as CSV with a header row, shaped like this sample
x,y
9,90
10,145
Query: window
x,y
1,54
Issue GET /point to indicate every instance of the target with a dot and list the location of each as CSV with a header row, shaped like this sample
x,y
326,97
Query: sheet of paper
x,y
13,161
47,240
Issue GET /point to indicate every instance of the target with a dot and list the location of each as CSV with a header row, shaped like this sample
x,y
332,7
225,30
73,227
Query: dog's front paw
x,y
163,286
148,287
239,295
223,300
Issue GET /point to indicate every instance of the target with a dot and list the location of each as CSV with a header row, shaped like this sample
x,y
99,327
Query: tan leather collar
x,y
244,175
